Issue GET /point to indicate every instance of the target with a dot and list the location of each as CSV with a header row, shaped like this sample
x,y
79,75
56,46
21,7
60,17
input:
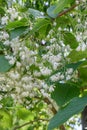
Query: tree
x,y
43,65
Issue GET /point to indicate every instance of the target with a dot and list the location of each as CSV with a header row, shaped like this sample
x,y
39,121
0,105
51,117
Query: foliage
x,y
43,63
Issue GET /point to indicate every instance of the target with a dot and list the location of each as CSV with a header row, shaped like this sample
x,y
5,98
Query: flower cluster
x,y
12,14
35,65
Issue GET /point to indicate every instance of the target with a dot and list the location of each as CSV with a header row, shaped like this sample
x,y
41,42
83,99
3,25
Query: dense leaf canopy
x,y
43,63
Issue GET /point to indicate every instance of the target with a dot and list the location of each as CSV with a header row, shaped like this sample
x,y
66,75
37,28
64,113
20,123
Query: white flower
x,y
54,23
79,20
56,65
78,48
84,47
68,77
55,77
45,71
0,106
4,20
14,75
0,97
7,43
18,89
25,94
46,3
13,13
44,93
70,71
12,61
51,88
43,42
52,40
18,64
37,74
59,29
5,35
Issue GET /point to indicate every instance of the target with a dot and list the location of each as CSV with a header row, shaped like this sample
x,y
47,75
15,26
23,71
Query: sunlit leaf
x,y
69,39
40,24
61,5
77,55
5,119
25,114
17,23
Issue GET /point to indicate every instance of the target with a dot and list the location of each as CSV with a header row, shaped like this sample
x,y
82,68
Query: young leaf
x,y
4,64
69,39
40,24
54,10
61,5
25,114
74,107
77,55
17,23
5,119
83,73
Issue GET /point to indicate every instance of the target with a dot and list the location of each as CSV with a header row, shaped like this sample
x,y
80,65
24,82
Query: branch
x,y
30,122
67,10
49,102
54,111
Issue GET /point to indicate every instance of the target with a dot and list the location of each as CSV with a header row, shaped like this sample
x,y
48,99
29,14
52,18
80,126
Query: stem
x,y
84,118
53,109
67,10
49,102
30,122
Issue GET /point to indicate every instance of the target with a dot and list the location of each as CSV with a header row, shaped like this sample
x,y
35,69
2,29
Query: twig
x,y
30,122
49,102
53,109
62,127
67,10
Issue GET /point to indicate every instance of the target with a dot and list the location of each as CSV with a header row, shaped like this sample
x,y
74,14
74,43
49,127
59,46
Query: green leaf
x,y
7,102
36,13
40,24
25,114
63,93
2,12
4,64
54,10
83,73
1,47
69,39
3,3
77,55
17,23
74,107
50,11
76,65
5,119
18,32
62,22
61,5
